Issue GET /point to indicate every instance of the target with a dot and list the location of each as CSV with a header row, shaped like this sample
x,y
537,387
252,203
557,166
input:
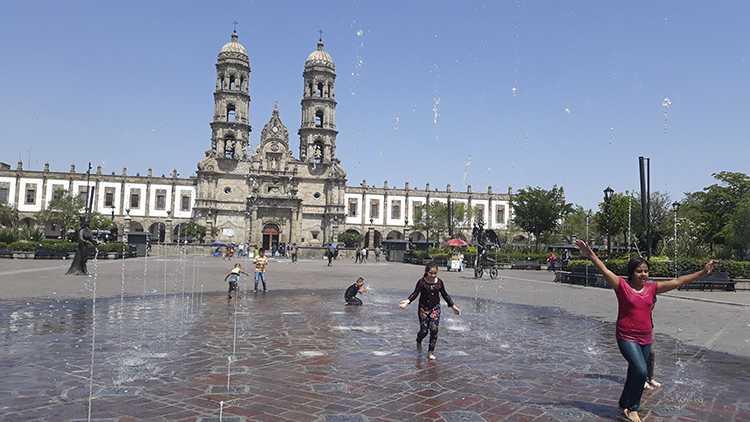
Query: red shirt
x,y
634,312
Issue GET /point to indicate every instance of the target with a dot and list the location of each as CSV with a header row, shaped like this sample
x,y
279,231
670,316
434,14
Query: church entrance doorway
x,y
270,236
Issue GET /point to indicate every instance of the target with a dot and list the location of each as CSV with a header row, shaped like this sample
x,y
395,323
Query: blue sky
x,y
500,93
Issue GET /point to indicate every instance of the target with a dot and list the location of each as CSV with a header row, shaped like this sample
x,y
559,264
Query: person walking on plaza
x,y
634,328
260,263
350,296
233,276
293,252
330,253
357,254
377,254
429,289
551,260
364,256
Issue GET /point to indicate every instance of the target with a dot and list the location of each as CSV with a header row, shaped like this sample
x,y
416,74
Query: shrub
x,y
8,235
23,246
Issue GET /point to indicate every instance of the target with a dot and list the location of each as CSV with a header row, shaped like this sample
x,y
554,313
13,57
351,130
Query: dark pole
x,y
648,207
89,197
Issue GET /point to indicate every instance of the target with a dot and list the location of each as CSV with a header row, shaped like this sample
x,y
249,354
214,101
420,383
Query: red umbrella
x,y
456,242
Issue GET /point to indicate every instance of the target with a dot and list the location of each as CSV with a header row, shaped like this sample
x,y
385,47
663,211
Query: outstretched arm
x,y
666,286
611,278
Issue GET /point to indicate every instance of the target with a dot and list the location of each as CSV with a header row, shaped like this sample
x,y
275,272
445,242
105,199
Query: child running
x,y
233,276
260,269
429,289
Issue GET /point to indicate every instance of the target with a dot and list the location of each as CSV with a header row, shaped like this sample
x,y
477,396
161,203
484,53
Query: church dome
x,y
233,48
320,58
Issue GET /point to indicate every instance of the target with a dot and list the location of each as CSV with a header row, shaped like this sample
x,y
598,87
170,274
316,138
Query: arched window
x,y
230,113
242,84
231,82
319,118
229,148
320,89
318,153
223,81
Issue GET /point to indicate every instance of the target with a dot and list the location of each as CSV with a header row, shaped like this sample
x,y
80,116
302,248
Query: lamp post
x,y
113,230
676,208
608,209
406,231
371,235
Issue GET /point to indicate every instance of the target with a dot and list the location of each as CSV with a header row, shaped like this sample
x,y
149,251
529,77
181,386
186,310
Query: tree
x,y
539,211
350,239
431,217
193,229
714,207
63,210
575,225
738,229
461,216
8,215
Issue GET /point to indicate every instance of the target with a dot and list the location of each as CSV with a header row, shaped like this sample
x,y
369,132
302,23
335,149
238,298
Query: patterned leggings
x,y
429,319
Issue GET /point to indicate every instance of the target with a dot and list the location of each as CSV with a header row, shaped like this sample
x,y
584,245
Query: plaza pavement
x,y
164,344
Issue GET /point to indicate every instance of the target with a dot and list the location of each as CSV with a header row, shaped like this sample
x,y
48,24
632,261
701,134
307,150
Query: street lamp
x,y
406,230
113,213
676,208
608,209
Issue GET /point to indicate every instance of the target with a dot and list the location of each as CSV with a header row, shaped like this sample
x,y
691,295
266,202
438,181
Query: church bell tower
x,y
318,130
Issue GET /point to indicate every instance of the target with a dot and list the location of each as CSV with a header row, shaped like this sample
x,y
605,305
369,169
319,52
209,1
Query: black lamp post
x,y
608,209
406,230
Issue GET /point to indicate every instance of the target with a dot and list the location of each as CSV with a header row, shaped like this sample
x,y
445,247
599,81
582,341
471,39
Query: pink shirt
x,y
634,313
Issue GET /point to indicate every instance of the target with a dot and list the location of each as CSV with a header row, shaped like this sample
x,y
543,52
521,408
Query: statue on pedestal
x,y
78,266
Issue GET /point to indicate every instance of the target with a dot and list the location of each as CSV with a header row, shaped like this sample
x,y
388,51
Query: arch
x,y
270,236
229,147
318,152
158,232
230,113
28,222
136,226
353,231
320,89
231,82
460,236
415,236
394,235
319,118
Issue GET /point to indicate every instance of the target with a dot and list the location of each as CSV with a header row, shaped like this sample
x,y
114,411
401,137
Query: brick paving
x,y
162,343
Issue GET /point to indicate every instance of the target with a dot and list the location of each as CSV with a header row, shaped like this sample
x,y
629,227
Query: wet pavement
x,y
159,341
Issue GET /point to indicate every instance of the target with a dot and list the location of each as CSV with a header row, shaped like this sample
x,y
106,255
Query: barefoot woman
x,y
634,330
429,289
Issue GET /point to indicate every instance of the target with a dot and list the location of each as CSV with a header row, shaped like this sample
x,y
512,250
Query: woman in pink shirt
x,y
634,330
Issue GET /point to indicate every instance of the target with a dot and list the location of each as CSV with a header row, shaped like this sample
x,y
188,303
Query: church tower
x,y
322,181
230,127
221,177
318,131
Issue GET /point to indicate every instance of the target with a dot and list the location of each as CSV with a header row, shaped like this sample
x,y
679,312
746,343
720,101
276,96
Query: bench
x,y
50,254
6,253
585,276
715,280
525,265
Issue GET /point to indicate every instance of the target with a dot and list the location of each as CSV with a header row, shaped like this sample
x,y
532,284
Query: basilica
x,y
267,195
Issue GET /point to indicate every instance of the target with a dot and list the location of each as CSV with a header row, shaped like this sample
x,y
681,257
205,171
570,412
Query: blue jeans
x,y
636,355
260,276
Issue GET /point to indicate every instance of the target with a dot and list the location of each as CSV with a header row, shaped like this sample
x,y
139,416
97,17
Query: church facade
x,y
263,196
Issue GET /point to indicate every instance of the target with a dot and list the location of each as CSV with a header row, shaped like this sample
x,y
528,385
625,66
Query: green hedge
x,y
735,269
57,245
